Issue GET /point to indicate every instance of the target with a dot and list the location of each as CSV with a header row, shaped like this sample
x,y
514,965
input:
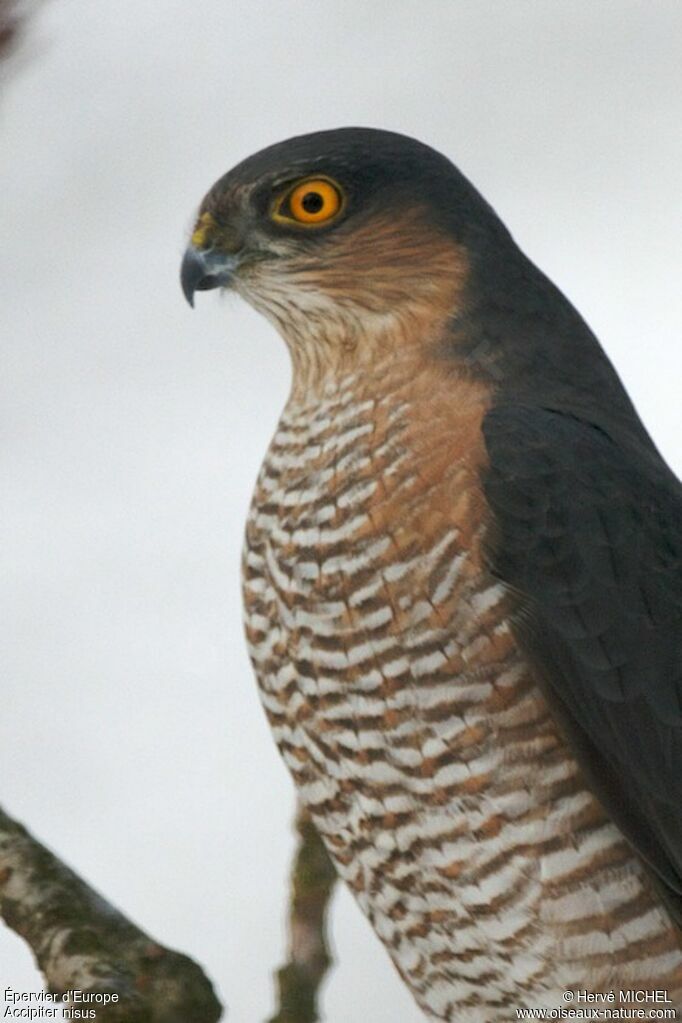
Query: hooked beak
x,y
202,270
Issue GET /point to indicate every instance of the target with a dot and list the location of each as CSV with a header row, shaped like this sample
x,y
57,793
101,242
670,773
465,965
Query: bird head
x,y
342,238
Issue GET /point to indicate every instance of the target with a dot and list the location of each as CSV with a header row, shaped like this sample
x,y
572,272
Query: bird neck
x,y
375,347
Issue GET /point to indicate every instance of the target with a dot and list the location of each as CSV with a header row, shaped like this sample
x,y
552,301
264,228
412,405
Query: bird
x,y
462,583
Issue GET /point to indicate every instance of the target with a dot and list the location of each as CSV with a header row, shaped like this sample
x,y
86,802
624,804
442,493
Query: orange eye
x,y
311,202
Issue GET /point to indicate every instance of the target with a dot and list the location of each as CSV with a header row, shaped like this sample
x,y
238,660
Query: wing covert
x,y
588,534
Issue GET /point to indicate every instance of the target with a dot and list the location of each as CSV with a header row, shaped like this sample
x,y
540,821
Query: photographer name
x,y
658,997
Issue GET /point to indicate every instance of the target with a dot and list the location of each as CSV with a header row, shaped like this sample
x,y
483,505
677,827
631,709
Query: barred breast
x,y
409,720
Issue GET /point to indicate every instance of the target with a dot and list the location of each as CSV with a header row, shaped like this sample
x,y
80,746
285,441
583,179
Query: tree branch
x,y
312,883
11,16
81,942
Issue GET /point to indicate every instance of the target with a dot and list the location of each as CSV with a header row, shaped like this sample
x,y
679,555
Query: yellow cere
x,y
205,226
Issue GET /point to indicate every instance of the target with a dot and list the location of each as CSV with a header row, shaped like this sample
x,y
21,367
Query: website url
x,y
601,1013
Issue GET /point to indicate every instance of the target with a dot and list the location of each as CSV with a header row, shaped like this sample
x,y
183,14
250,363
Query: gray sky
x,y
131,737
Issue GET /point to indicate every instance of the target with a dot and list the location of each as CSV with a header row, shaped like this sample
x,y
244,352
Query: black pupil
x,y
312,202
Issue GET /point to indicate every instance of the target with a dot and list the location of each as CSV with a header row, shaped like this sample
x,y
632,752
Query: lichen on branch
x,y
81,942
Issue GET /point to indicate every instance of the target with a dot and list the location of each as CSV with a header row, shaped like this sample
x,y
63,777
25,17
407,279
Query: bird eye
x,y
311,202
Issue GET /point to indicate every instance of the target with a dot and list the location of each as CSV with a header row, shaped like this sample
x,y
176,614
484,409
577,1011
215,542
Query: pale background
x,y
131,738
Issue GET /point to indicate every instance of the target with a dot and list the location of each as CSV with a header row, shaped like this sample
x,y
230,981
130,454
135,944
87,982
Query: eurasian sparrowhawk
x,y
462,581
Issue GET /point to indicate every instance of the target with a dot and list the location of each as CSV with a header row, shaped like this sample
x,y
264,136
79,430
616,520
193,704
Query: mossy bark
x,y
81,942
312,883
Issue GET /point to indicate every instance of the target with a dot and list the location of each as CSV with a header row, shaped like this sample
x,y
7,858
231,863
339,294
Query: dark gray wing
x,y
588,533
